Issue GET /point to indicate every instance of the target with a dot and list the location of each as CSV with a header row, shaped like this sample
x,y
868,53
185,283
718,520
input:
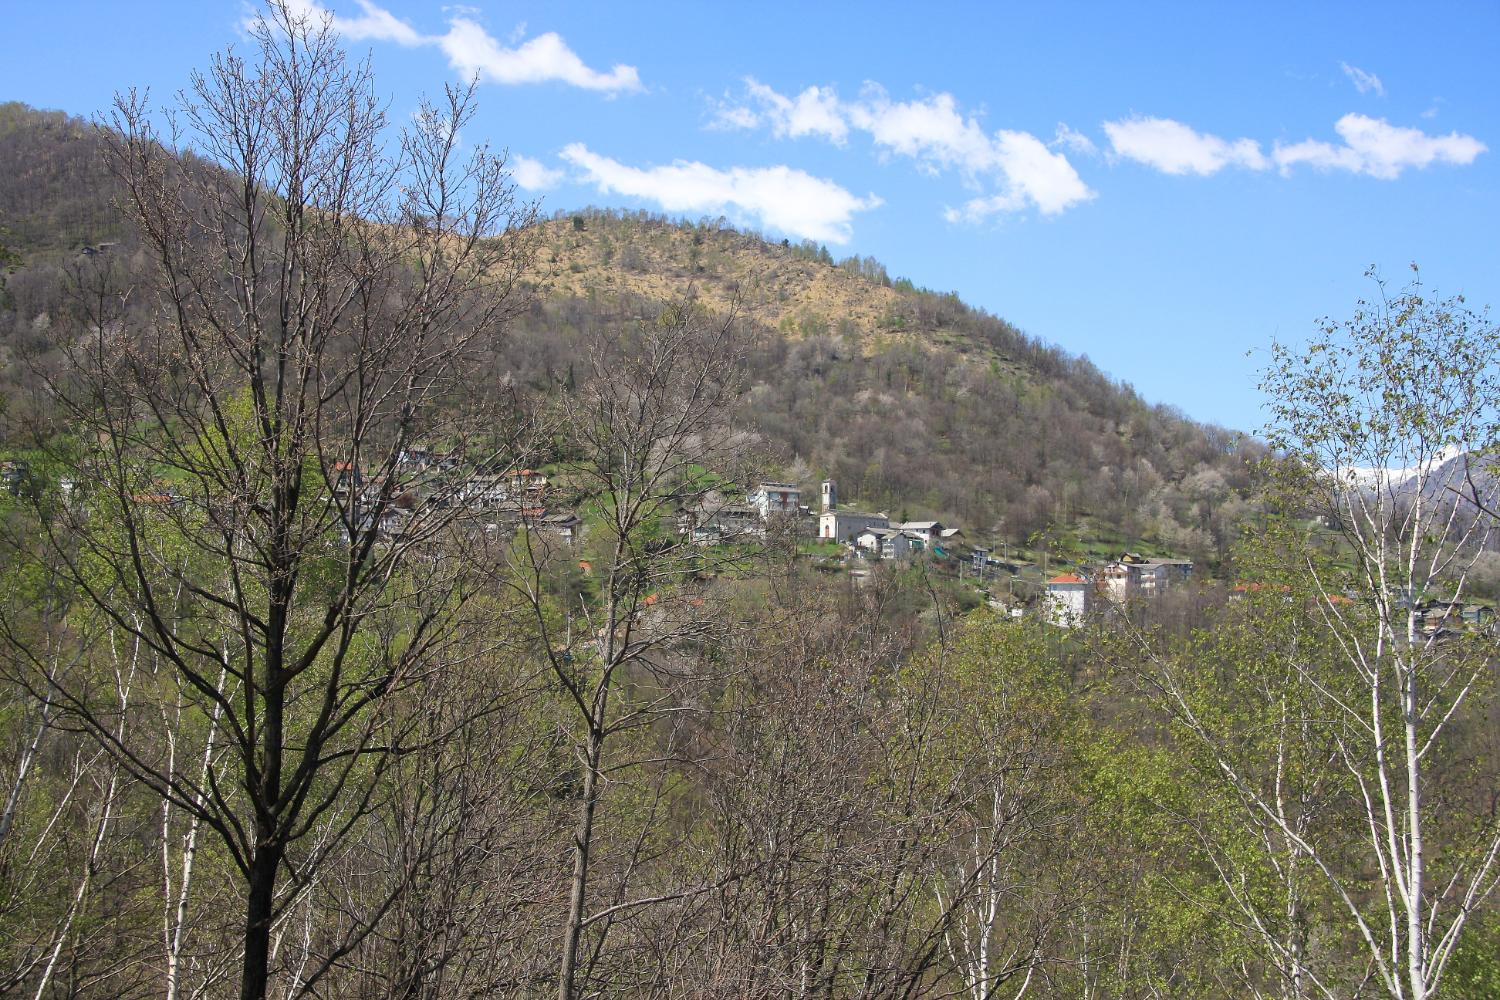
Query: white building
x,y
843,525
776,500
926,533
483,491
1067,599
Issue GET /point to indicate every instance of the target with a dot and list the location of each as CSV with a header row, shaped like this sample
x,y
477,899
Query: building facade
x,y
776,500
843,525
1067,599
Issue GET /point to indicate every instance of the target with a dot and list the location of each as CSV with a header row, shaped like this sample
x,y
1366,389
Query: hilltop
x,y
798,290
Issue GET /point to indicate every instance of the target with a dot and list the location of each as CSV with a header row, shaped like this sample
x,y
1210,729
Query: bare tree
x,y
470,823
647,433
245,507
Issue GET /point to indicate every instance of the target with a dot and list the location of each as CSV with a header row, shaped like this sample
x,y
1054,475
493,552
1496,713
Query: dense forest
x,y
302,695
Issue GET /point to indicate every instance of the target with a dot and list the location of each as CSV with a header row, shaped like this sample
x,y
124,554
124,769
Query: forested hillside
x,y
910,399
914,402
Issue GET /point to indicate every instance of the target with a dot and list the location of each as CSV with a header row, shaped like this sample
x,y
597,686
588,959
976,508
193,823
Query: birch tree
x,y
1009,741
1387,422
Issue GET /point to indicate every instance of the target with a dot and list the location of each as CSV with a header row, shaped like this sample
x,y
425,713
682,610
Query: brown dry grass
x,y
775,286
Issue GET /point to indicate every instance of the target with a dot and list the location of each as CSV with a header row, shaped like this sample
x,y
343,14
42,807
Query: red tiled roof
x,y
1067,578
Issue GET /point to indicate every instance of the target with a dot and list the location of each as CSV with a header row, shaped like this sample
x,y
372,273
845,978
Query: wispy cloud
x,y
1375,147
1071,139
1370,146
1175,148
1364,82
781,198
473,51
533,175
932,131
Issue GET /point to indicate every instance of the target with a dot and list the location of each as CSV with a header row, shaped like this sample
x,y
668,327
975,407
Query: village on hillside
x,y
511,499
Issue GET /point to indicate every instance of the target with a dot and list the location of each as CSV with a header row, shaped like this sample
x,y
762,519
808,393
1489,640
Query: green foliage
x,y
1474,971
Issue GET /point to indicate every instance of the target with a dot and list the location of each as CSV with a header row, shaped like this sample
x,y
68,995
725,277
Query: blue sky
x,y
1163,188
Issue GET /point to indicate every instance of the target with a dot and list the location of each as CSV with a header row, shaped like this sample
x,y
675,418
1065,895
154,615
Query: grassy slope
x,y
773,285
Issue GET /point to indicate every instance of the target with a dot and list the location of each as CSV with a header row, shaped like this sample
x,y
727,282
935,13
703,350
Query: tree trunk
x,y
582,843
259,911
270,849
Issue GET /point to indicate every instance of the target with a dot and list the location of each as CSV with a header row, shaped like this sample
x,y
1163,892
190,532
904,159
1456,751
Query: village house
x,y
481,492
15,477
883,543
1439,619
713,524
924,534
1134,575
774,500
526,486
843,525
566,524
1068,599
419,458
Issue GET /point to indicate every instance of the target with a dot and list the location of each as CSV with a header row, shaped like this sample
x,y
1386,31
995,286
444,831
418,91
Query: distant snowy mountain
x,y
1465,478
1400,479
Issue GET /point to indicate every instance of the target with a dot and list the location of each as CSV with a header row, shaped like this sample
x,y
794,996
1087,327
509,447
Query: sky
x,y
1165,188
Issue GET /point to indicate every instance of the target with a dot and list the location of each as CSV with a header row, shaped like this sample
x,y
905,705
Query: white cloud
x,y
815,112
377,25
1175,148
1375,147
471,50
780,197
533,175
932,131
1039,174
1370,146
1363,82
